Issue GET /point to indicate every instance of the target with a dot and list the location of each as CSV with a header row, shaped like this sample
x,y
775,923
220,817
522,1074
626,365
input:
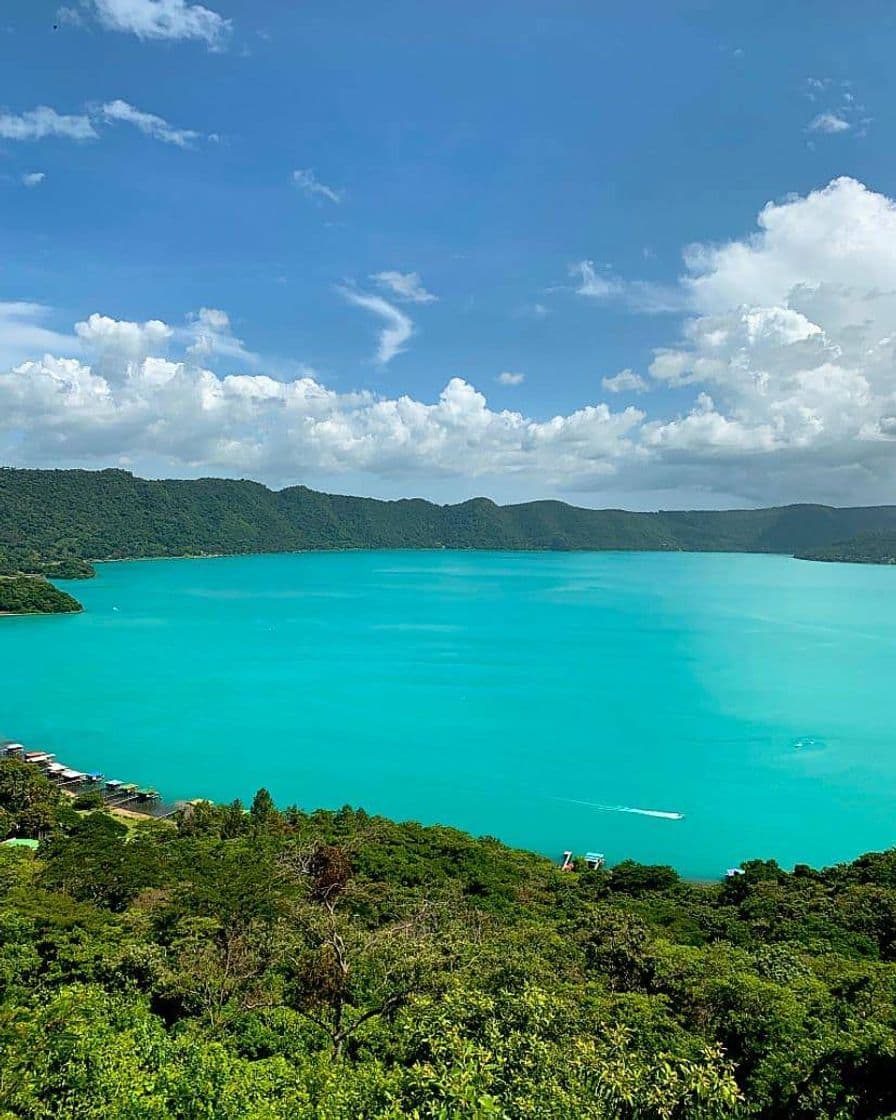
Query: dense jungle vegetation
x,y
866,548
33,595
68,517
332,965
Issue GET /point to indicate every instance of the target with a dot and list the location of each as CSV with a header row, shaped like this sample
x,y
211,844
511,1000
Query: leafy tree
x,y
263,811
26,594
30,803
335,965
629,877
111,514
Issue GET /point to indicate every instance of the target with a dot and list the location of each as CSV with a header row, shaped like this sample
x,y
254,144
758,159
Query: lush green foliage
x,y
52,516
866,548
258,964
33,595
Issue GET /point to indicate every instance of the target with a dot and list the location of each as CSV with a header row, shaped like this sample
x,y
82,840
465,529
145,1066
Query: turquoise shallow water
x,y
505,693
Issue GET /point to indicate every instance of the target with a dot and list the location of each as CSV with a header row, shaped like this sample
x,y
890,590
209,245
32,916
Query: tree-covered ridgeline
x,y
332,965
34,595
865,548
69,517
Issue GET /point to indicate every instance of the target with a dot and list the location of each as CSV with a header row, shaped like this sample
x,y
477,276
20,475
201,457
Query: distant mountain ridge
x,y
48,516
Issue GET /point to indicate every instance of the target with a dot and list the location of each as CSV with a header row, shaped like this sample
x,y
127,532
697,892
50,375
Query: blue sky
x,y
268,161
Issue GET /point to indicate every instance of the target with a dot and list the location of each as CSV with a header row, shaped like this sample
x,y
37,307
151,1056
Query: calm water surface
x,y
535,697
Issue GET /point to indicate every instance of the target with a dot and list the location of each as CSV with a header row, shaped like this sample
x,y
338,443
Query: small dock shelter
x,y
38,758
115,793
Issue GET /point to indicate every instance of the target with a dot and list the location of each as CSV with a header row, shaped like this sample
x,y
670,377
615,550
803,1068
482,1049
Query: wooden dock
x,y
116,795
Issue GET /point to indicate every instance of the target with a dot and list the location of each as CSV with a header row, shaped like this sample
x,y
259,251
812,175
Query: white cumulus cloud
x,y
625,381
210,334
119,345
794,347
33,178
163,19
188,418
780,386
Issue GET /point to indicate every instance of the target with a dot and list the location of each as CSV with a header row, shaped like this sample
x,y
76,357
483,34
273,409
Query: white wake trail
x,y
663,814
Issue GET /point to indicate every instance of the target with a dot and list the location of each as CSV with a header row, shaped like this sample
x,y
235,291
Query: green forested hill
x,y
865,548
33,595
47,516
269,965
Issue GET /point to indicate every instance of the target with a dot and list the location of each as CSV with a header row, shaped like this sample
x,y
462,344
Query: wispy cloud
x,y
625,381
307,181
843,112
638,295
594,284
816,86
398,327
33,178
163,19
68,16
157,127
43,122
36,124
405,286
508,378
829,122
531,310
24,331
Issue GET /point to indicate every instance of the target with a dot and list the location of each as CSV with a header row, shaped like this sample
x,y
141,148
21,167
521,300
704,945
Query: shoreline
x,y
119,810
135,815
40,614
453,548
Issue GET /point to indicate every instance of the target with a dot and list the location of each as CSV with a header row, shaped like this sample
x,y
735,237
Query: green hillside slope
x,y
50,516
34,595
294,965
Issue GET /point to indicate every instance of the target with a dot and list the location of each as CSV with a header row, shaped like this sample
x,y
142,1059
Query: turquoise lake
x,y
530,696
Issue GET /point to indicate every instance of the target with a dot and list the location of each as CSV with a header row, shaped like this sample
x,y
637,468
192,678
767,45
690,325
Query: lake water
x,y
541,698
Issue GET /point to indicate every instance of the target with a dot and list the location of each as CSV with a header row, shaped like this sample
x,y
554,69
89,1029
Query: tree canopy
x,y
34,595
110,514
266,963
